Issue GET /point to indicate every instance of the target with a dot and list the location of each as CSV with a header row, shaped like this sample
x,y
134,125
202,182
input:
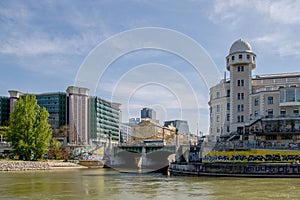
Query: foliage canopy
x,y
29,131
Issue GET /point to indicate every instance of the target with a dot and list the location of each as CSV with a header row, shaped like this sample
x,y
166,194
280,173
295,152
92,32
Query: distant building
x,y
148,113
90,120
134,120
104,120
4,110
125,132
268,104
181,125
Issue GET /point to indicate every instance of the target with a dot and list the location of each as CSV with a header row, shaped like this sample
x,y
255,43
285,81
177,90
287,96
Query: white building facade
x,y
237,102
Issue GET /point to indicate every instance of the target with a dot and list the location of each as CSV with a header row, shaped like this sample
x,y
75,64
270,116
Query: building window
x,y
218,118
228,117
240,108
290,95
240,82
228,129
240,118
218,108
240,56
296,111
228,93
240,68
218,94
286,136
270,112
232,58
270,100
282,112
255,114
248,57
256,102
228,106
240,96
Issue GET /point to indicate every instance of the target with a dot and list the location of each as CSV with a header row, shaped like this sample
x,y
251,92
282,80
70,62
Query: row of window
x,y
240,57
270,112
269,101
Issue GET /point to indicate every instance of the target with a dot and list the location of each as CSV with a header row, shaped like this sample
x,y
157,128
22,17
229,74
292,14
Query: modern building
x,y
56,105
78,115
148,113
4,110
237,103
104,120
125,132
181,125
89,120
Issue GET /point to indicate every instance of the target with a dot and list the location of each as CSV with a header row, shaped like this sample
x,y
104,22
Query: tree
x,y
29,130
3,132
55,148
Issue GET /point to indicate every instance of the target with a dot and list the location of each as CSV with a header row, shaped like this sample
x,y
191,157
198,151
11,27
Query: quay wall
x,y
33,165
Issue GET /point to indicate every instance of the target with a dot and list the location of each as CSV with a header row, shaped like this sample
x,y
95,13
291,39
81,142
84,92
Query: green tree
x,y
56,145
3,132
29,130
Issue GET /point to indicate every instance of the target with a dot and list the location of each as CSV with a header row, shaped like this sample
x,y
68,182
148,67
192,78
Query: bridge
x,y
141,157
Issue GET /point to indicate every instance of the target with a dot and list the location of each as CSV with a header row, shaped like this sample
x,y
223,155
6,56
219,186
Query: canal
x,y
108,184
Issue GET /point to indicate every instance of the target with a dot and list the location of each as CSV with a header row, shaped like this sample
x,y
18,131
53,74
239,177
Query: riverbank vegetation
x,y
29,131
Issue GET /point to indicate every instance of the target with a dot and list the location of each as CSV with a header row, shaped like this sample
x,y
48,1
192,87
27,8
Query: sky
x,y
45,46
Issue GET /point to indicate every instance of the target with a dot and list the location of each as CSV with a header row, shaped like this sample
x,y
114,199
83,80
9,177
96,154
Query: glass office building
x,y
104,120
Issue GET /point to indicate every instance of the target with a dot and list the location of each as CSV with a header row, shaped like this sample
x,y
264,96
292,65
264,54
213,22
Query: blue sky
x,y
44,43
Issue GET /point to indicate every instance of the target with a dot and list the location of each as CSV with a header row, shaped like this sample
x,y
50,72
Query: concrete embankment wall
x,y
32,165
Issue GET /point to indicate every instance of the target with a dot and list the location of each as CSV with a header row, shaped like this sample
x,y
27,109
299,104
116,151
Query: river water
x,y
109,184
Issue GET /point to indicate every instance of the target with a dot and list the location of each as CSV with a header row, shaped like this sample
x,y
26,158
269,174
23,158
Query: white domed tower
x,y
240,62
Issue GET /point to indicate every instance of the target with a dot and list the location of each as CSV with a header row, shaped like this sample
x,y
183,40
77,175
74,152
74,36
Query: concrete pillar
x,y
144,158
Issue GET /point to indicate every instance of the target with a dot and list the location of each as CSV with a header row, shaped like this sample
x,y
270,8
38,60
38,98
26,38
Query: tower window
x,y
248,56
232,58
240,56
240,68
240,96
240,82
228,117
256,102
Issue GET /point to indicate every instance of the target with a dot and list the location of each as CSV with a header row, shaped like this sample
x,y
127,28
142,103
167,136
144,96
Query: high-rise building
x,y
90,120
56,105
4,110
238,102
104,120
148,113
181,125
78,114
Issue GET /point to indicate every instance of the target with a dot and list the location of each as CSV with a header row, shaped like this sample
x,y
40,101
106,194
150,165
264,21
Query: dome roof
x,y
240,46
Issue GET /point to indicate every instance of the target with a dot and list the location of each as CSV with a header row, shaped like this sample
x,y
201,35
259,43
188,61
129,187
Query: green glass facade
x,y
56,105
104,119
4,110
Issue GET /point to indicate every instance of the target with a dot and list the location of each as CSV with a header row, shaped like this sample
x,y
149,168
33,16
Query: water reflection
x,y
108,184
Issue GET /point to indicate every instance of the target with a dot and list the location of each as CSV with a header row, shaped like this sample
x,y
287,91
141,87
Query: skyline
x,y
43,46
